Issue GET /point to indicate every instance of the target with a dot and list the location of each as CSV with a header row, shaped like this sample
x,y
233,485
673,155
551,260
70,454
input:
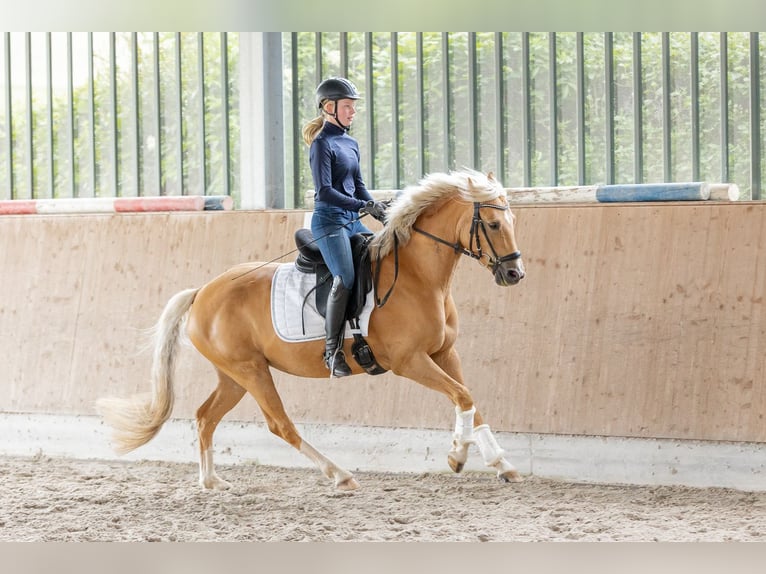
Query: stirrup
x,y
336,363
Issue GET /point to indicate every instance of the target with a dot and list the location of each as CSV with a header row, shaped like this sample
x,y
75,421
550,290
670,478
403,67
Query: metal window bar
x,y
179,113
724,51
157,117
49,104
114,139
226,107
580,63
297,139
70,116
553,108
755,116
135,102
369,89
318,72
526,111
609,105
201,111
30,131
396,132
9,117
500,107
448,152
666,110
473,98
91,119
344,54
420,109
695,107
638,111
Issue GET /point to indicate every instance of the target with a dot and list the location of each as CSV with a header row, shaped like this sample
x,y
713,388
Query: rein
x,y
477,223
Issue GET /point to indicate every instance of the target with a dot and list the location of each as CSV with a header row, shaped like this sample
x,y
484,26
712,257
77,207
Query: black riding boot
x,y
335,321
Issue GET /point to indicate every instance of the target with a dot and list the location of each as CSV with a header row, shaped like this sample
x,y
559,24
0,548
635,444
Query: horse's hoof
x,y
510,476
214,483
455,465
347,484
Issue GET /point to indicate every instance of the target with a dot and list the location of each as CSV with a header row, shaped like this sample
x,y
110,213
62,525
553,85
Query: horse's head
x,y
491,237
482,219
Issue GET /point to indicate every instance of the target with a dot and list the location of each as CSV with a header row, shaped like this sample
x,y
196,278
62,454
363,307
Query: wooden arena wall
x,y
640,320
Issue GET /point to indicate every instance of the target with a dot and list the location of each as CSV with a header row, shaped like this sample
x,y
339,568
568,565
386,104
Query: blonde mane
x,y
467,184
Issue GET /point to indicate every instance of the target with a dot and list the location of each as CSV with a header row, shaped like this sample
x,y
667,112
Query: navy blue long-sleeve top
x,y
334,159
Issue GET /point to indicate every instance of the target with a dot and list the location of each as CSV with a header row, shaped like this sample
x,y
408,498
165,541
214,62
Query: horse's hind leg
x,y
260,384
224,398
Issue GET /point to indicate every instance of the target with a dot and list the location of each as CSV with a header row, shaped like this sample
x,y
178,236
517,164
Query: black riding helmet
x,y
334,89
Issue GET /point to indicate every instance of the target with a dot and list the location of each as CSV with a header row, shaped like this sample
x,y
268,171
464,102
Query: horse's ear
x,y
491,176
469,181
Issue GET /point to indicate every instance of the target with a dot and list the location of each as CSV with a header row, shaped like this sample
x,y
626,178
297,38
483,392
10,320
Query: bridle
x,y
477,224
494,261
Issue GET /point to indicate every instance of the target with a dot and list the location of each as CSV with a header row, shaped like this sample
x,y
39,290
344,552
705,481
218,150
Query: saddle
x,y
310,260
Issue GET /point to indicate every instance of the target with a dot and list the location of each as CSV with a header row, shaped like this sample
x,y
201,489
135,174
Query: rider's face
x,y
346,110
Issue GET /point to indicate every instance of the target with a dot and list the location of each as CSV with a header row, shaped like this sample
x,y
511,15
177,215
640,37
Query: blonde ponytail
x,y
312,128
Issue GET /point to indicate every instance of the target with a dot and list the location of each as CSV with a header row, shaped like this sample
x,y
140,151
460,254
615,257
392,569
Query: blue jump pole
x,y
694,191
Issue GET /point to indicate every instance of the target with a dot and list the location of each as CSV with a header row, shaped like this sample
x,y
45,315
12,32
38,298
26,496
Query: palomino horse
x,y
228,320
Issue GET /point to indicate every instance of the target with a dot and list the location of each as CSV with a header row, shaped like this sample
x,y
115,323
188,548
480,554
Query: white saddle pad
x,y
293,321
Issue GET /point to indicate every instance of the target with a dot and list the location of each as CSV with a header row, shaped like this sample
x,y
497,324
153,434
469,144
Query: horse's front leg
x,y
467,434
441,372
469,426
461,439
494,456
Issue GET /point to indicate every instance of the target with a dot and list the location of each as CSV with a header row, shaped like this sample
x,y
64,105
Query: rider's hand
x,y
375,208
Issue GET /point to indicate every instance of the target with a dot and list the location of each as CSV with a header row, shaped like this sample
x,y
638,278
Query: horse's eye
x,y
494,225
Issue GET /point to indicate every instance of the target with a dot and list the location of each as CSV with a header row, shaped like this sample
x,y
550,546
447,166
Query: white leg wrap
x,y
464,425
488,447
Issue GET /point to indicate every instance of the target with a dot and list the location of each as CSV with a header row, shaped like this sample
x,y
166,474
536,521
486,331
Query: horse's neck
x,y
433,262
433,267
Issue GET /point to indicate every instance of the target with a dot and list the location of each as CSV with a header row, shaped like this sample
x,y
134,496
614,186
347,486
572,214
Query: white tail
x,y
136,420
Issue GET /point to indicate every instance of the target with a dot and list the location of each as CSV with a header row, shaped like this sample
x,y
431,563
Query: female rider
x,y
339,197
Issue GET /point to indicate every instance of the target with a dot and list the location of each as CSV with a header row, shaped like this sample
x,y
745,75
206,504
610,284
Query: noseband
x,y
493,261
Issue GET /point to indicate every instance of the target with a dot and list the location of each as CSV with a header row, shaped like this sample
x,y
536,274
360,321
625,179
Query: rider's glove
x,y
375,208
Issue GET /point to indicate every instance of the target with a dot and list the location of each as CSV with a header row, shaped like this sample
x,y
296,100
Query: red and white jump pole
x,y
116,204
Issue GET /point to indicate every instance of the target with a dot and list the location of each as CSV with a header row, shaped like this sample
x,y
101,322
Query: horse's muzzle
x,y
509,274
